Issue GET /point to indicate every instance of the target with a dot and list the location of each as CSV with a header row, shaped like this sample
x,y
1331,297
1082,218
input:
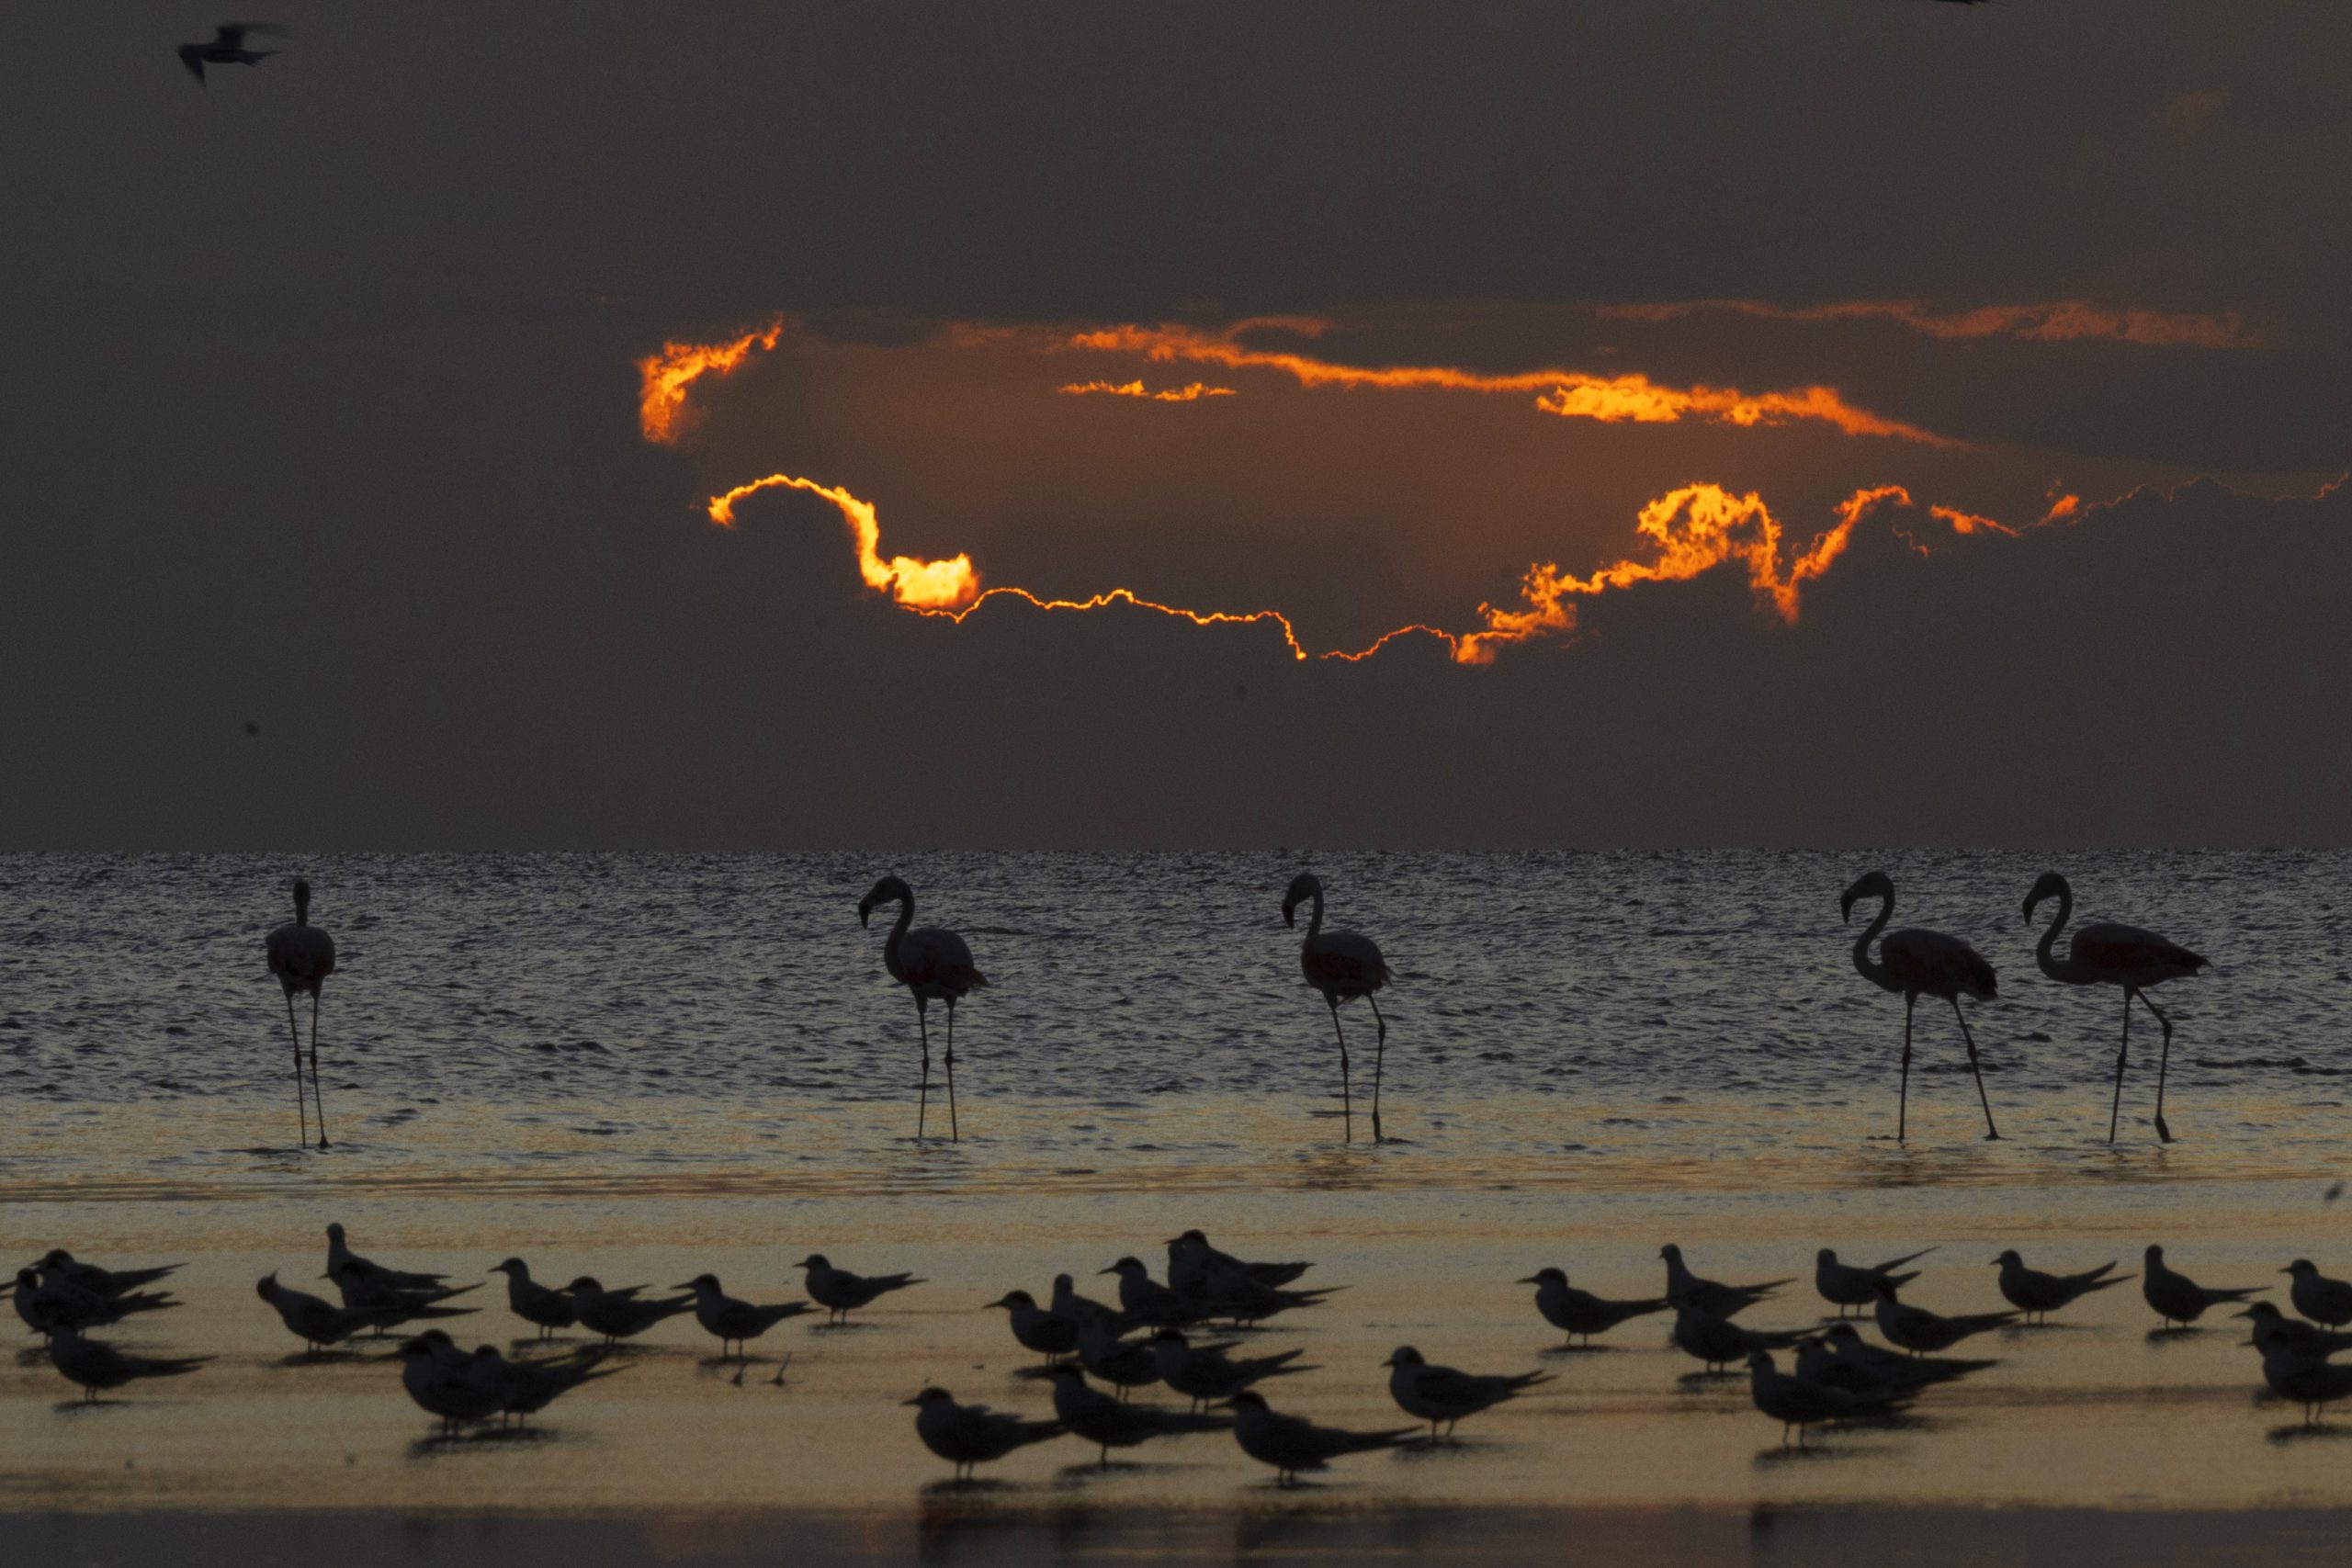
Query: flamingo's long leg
x,y
301,1106
954,1135
2164,1059
923,1104
2122,1055
1378,1051
317,1098
1347,1097
1990,1131
1903,1099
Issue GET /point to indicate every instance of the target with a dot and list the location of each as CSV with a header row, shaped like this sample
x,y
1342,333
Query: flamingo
x,y
1343,966
2108,954
302,955
1919,963
935,965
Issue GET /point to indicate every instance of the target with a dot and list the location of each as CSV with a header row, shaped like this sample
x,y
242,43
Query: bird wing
x,y
2130,948
1345,958
229,35
1936,963
192,56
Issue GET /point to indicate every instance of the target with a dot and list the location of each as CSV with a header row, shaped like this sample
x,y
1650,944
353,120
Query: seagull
x,y
525,1388
2272,1326
444,1388
1843,1285
1037,1328
1718,1341
1123,1363
1344,965
1917,1329
95,1366
840,1292
1204,1373
535,1302
2310,1382
2176,1298
1797,1404
319,1324
739,1322
341,1258
2038,1294
1145,1299
1441,1394
51,1307
969,1434
1580,1313
228,48
300,954
1843,1358
1291,1443
1195,1266
91,1279
1685,1288
935,965
2317,1297
1109,1423
621,1314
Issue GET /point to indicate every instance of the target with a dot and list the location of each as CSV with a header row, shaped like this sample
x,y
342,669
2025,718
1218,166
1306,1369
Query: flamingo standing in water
x,y
1919,963
2108,954
302,955
934,964
1343,966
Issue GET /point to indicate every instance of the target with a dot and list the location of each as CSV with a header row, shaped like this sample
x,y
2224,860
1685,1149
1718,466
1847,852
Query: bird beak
x,y
687,1286
1101,1271
904,1403
1531,1279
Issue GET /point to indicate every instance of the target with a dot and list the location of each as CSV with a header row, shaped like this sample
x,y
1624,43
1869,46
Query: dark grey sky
x,y
326,418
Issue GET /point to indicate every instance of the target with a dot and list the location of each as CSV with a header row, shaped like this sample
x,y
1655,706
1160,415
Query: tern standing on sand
x,y
1843,1285
1343,966
2109,954
302,955
968,1435
2178,1298
935,965
1914,963
2038,1294
1580,1314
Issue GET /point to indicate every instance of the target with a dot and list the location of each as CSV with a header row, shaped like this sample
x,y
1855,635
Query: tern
x,y
1206,1373
840,1292
1122,1363
96,1366
446,1389
51,1306
2038,1294
1685,1288
534,1303
1037,1328
91,1279
1719,1342
2176,1298
389,1307
228,48
1082,1310
1843,1285
341,1259
2309,1381
319,1324
2273,1328
1796,1403
1442,1394
1291,1443
1144,1300
1580,1314
1109,1423
1917,1329
2317,1297
622,1314
1193,1262
970,1435
734,1321
525,1388
1842,1358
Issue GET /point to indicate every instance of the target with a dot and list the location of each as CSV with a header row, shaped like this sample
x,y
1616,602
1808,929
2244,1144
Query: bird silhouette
x,y
228,47
302,955
1915,963
2038,1294
1844,1285
2111,954
934,964
1343,966
2176,1298
1580,1314
969,1434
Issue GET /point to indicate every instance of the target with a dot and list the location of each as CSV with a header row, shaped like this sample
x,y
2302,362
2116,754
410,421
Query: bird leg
x,y
317,1099
1991,1132
954,1135
1378,1051
2123,1054
1903,1101
1347,1097
923,1105
301,1106
2164,1059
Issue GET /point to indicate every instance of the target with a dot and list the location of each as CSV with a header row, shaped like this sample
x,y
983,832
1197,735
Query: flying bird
x,y
228,47
1343,966
2111,954
1919,962
302,955
936,966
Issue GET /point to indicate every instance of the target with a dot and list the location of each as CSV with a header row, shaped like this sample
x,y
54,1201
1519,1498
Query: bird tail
x,y
1360,1441
2111,1280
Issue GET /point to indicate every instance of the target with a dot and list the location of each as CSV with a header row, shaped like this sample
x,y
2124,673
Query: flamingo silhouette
x,y
302,955
2109,954
934,964
1343,966
1919,962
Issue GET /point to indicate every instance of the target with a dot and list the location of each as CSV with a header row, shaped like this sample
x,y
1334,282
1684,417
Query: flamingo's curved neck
x,y
1314,917
1872,968
905,918
301,906
2045,952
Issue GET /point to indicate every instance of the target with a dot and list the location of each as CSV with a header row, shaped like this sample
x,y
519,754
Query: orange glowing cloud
x,y
2058,321
665,377
1572,394
932,586
1192,393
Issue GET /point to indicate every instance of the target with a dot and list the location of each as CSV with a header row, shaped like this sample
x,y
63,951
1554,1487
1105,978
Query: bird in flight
x,y
228,47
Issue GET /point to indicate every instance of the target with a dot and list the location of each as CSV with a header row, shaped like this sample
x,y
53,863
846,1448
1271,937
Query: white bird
x,y
1109,1423
970,1435
1037,1328
1685,1288
733,1321
1291,1443
1442,1394
1915,962
1343,966
2038,1294
1580,1314
1844,1285
2111,954
935,965
1917,1329
96,1366
302,955
2174,1297
547,1308
840,1292
2316,1296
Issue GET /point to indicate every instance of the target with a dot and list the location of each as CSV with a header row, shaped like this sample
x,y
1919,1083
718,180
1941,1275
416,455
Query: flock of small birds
x,y
1097,1355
